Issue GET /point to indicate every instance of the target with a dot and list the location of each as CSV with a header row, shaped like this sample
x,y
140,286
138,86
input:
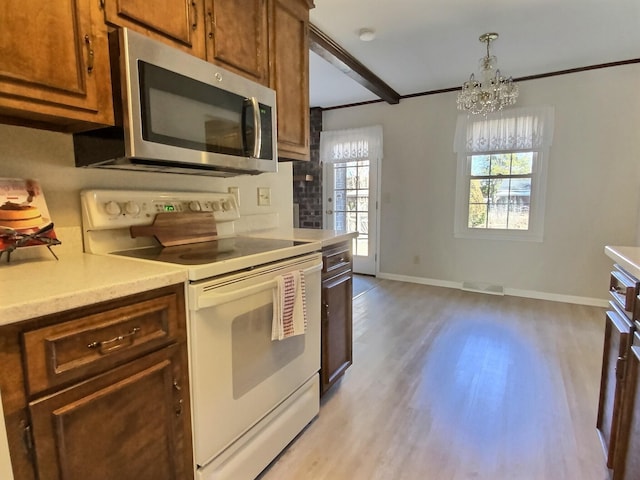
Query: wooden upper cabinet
x,y
54,64
237,37
176,22
289,47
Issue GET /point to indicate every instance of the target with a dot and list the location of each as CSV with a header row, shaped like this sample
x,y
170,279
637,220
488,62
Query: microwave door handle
x,y
257,123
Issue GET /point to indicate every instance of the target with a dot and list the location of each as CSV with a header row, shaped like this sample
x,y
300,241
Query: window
x,y
500,190
501,179
351,202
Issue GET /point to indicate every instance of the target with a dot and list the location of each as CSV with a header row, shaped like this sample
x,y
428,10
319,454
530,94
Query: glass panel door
x,y
351,202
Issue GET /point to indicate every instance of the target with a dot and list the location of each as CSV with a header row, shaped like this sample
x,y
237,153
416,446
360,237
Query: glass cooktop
x,y
209,252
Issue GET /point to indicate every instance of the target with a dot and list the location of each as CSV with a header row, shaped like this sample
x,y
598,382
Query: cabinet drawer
x,y
336,258
623,289
94,343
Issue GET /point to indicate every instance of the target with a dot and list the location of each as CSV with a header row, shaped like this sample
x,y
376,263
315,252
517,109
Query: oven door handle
x,y
212,299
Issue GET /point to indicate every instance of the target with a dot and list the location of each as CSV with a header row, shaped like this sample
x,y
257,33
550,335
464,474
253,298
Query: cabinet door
x,y
617,338
54,64
176,22
627,460
337,349
290,76
130,423
237,37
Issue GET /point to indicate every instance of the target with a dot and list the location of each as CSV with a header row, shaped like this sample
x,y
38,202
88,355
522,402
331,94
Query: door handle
x,y
329,212
212,299
257,125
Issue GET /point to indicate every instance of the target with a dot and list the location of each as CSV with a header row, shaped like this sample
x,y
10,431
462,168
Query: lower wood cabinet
x,y
337,293
618,420
100,392
617,340
627,461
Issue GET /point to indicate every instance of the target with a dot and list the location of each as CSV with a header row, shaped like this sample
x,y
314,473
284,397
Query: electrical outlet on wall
x,y
235,191
264,196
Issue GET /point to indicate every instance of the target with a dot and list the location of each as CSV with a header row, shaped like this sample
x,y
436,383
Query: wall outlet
x,y
264,196
235,191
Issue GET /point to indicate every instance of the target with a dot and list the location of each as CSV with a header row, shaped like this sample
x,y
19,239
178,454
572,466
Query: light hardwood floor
x,y
453,385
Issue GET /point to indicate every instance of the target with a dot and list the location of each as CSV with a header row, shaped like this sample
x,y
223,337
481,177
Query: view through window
x,y
500,190
351,202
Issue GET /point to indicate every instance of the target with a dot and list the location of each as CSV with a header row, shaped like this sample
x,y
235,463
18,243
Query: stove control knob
x,y
132,208
216,206
112,208
195,206
225,205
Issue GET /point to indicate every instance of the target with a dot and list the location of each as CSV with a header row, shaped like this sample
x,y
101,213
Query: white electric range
x,y
250,395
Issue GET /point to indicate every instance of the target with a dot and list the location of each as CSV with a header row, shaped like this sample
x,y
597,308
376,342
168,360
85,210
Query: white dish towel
x,y
289,306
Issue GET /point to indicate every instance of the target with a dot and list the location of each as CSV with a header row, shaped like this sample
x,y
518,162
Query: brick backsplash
x,y
308,194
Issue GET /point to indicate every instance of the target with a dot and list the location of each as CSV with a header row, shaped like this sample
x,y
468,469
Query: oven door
x,y
238,374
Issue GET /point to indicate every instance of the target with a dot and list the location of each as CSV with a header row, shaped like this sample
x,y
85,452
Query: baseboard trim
x,y
513,292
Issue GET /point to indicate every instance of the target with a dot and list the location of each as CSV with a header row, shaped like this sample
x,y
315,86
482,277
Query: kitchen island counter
x,y
627,257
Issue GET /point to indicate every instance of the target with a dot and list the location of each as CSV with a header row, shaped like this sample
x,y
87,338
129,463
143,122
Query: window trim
x,y
535,232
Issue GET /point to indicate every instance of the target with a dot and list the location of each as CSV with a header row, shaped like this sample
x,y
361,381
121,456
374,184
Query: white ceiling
x,y
425,45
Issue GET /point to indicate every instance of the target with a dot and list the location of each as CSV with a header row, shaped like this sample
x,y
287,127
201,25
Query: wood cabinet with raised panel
x,y
337,325
54,65
237,37
618,421
627,462
289,50
179,23
100,392
618,333
55,68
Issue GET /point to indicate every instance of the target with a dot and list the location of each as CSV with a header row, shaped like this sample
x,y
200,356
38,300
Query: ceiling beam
x,y
337,56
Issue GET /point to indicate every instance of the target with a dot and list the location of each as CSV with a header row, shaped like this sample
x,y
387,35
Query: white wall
x,y
592,191
48,157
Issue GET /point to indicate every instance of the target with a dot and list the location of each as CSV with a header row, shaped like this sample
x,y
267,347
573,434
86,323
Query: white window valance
x,y
528,128
351,145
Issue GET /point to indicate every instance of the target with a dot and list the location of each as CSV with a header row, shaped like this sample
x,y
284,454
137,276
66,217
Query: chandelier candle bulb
x,y
494,92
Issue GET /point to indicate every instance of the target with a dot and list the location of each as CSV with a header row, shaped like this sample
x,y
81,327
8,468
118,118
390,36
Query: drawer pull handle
x,y
106,346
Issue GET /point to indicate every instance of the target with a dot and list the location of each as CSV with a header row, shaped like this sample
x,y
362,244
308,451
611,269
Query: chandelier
x,y
493,92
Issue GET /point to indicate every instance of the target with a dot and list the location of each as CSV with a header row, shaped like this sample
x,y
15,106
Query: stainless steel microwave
x,y
181,114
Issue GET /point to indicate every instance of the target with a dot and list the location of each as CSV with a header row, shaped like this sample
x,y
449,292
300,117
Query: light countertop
x,y
627,257
30,289
326,237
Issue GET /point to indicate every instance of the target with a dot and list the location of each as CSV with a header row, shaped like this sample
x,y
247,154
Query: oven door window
x,y
183,112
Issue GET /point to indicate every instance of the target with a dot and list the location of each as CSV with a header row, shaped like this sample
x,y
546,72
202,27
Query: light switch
x,y
264,196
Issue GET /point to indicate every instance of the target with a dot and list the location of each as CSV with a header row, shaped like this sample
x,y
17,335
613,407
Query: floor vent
x,y
483,288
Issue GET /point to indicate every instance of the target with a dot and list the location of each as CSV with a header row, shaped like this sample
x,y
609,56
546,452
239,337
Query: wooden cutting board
x,y
179,228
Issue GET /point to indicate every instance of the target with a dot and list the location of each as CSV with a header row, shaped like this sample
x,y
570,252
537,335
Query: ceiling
x,y
426,45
